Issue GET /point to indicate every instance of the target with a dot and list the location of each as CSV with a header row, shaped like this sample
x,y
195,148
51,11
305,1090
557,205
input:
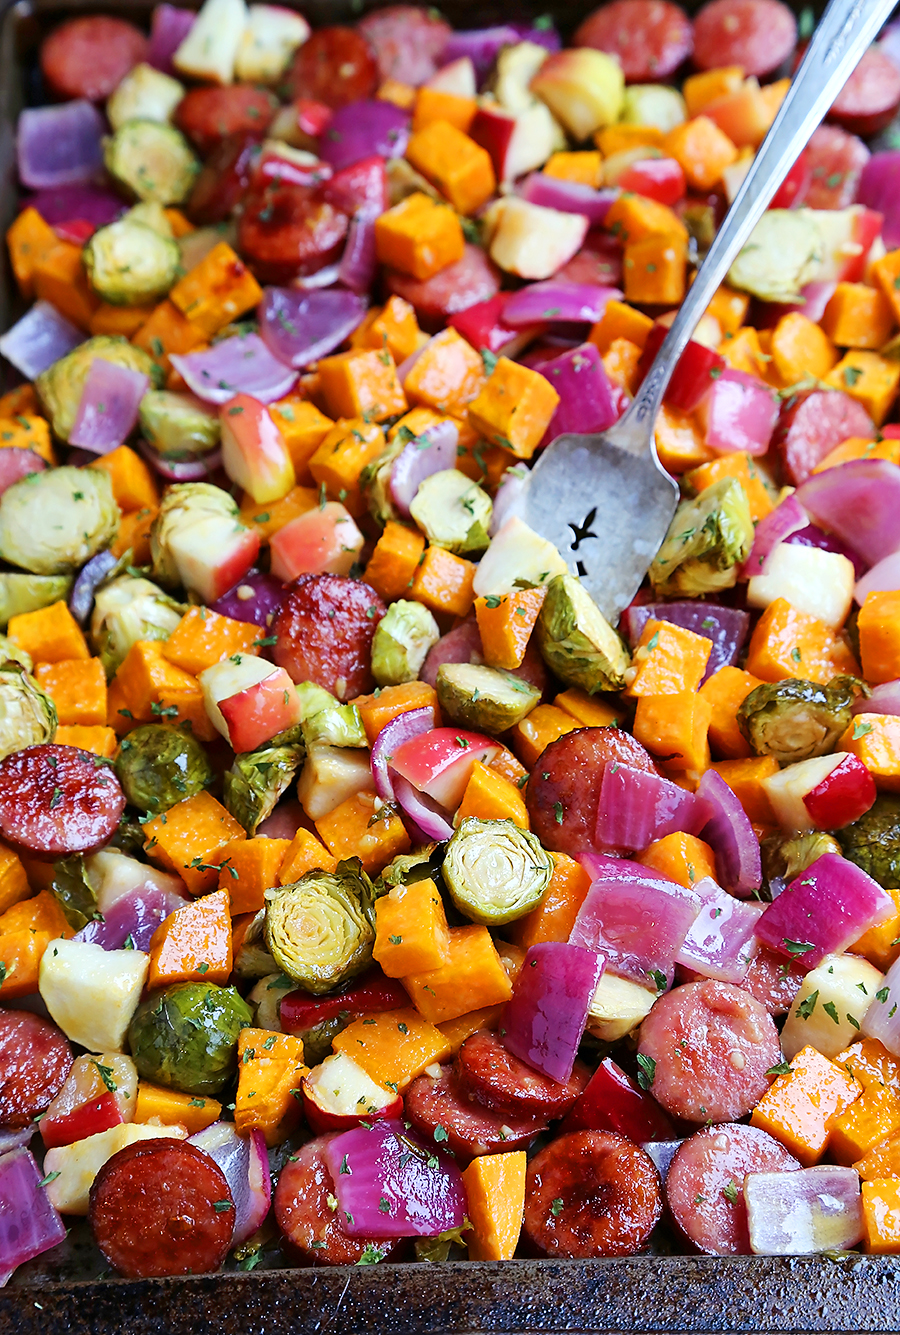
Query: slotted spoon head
x,y
606,511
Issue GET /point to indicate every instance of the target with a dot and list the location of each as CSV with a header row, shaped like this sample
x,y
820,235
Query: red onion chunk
x,y
299,326
586,401
256,598
390,1183
481,45
884,699
16,464
29,1225
804,1212
541,34
14,1139
431,452
363,130
239,365
87,202
460,645
39,339
787,518
245,1163
638,920
883,577
410,723
550,302
636,808
730,835
882,1019
508,497
108,410
134,916
696,370
359,262
813,536
81,599
739,412
545,1017
483,326
168,29
59,145
551,192
721,942
725,627
879,189
823,911
612,1101
860,502
284,821
425,819
181,470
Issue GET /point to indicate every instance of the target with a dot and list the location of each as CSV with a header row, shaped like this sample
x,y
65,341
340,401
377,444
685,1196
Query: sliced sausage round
x,y
773,980
649,38
223,180
35,1059
563,792
407,41
209,115
325,630
705,1184
471,1129
494,1077
311,1229
711,1045
289,231
162,1207
835,160
869,99
811,424
56,800
336,66
89,57
599,261
472,279
758,35
591,1193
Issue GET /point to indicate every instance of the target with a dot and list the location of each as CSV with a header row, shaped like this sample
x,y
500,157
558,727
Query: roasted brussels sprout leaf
x,y
256,781
786,856
424,864
185,1036
59,388
708,539
453,512
178,426
782,255
375,481
53,522
11,653
187,511
795,720
483,698
325,721
494,871
320,929
401,642
73,891
126,610
152,160
873,841
266,996
27,715
129,263
253,959
576,640
28,593
160,766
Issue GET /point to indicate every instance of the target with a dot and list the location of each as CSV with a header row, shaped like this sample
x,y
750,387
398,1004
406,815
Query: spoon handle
x,y
843,34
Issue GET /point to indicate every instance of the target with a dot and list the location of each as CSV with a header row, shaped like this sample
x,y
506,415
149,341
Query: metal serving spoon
x,y
605,501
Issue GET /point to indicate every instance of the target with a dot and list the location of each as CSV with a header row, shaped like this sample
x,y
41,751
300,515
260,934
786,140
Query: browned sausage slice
x,y
869,99
472,279
407,41
336,66
325,630
773,980
209,115
492,1076
35,1058
471,1129
56,800
591,1193
289,230
649,38
89,57
162,1207
711,1045
705,1184
811,425
835,160
758,35
311,1228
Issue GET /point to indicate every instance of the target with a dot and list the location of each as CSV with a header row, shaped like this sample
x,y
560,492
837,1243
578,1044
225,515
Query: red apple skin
x,y
323,541
493,128
87,1119
842,796
260,711
866,226
439,763
319,1119
232,565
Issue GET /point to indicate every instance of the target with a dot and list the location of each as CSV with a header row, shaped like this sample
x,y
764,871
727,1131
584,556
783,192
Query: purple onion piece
x,y
543,34
431,452
554,302
721,940
168,29
284,821
860,502
38,340
136,914
481,45
326,277
181,470
429,820
813,536
81,599
726,627
804,1212
460,645
245,1163
59,145
239,365
787,518
29,1225
68,202
884,699
400,729
879,189
299,326
636,808
586,400
824,910
508,497
551,192
14,1138
729,833
108,409
359,262
545,1017
363,130
256,598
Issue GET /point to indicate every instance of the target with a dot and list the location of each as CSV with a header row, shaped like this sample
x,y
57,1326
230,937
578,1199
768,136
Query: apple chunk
x,y
249,700
270,38
824,793
212,553
532,241
585,89
322,541
254,454
338,1094
517,143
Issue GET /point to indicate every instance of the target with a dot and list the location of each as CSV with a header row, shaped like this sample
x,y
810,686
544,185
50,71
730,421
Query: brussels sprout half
x,y
707,540
152,160
795,720
873,841
253,959
453,512
126,610
185,1036
129,264
401,642
28,593
494,871
27,715
159,766
10,651
320,929
375,481
785,856
576,640
185,505
256,781
54,522
325,721
483,698
782,255
60,387
178,426
144,94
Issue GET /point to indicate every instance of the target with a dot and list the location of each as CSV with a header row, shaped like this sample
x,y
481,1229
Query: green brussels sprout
x,y
53,522
320,930
407,868
10,652
785,856
707,540
494,871
28,593
185,1036
266,996
795,720
401,642
152,161
253,959
484,698
375,481
129,264
60,387
185,505
325,721
453,512
159,766
873,841
576,641
654,104
27,715
257,779
145,94
126,610
782,255
71,887
178,426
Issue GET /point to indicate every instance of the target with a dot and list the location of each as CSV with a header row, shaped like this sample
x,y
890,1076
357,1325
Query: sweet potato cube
x,y
77,687
461,169
203,637
59,277
356,828
393,1047
393,326
167,331
655,270
50,635
303,427
169,1107
879,635
443,582
100,741
133,484
870,379
189,837
495,1195
411,933
668,660
304,853
394,561
514,408
858,316
506,623
29,240
799,1106
27,431
702,149
447,376
343,454
362,383
419,237
249,868
216,291
472,977
193,944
